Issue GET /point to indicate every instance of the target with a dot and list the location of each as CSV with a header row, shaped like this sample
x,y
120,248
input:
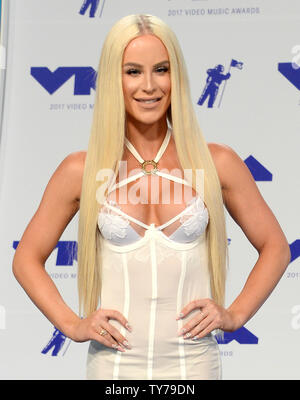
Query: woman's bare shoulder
x,y
224,158
59,204
218,150
77,158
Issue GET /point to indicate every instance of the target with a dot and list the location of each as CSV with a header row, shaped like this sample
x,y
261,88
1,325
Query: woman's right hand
x,y
90,327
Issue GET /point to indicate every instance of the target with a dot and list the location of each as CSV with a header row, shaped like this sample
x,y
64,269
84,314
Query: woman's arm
x,y
59,204
250,211
247,207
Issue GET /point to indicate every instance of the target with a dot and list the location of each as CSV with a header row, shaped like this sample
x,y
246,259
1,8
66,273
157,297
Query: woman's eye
x,y
132,72
162,69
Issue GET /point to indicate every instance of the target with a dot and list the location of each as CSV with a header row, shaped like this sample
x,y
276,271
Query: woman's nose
x,y
148,82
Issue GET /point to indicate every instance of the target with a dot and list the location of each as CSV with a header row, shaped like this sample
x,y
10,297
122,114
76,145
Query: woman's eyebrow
x,y
132,64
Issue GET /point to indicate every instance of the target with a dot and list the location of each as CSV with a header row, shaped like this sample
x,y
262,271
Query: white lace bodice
x,y
115,226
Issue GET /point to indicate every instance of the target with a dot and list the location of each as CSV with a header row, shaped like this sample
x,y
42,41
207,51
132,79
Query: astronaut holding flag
x,y
213,82
93,4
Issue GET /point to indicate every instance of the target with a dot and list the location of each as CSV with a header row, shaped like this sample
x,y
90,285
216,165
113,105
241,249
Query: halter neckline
x,y
159,154
154,162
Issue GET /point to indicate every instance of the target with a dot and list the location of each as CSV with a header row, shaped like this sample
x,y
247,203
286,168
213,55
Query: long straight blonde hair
x,y
105,150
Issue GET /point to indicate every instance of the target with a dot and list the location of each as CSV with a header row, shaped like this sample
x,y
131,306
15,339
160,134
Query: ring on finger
x,y
103,332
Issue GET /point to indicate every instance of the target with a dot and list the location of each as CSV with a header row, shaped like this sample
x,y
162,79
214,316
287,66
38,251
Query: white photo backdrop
x,y
242,58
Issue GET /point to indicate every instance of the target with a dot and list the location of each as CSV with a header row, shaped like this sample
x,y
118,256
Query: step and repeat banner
x,y
243,59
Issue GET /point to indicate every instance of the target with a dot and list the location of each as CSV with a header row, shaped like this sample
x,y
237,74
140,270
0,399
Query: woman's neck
x,y
146,139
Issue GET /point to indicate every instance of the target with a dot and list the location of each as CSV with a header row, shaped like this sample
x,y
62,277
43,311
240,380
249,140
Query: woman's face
x,y
146,79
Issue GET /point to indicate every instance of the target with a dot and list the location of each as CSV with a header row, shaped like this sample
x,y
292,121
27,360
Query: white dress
x,y
149,278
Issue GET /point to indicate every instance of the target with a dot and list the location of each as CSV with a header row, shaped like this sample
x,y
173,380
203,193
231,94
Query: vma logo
x,y
295,249
258,171
66,252
92,6
291,73
215,78
242,336
84,78
58,344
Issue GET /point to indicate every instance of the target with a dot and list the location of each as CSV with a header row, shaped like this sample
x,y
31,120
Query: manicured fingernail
x,y
127,344
195,338
179,316
128,327
117,347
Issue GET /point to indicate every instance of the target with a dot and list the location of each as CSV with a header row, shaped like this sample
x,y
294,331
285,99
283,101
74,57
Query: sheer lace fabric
x,y
116,227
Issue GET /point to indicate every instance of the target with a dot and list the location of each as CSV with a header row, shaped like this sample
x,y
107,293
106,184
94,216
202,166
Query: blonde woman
x,y
152,245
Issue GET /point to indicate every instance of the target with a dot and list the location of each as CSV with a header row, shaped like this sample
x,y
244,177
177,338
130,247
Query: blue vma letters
x,y
295,249
85,78
242,336
258,171
291,73
66,254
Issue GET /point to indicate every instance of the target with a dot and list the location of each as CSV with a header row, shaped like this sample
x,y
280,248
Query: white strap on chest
x,y
160,152
155,171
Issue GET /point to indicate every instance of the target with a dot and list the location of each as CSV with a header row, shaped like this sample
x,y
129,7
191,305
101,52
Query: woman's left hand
x,y
211,316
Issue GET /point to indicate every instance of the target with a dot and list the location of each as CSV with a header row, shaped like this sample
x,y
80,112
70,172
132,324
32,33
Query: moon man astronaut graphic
x,y
93,6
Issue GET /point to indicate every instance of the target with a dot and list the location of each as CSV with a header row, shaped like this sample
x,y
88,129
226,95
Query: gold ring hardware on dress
x,y
149,162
